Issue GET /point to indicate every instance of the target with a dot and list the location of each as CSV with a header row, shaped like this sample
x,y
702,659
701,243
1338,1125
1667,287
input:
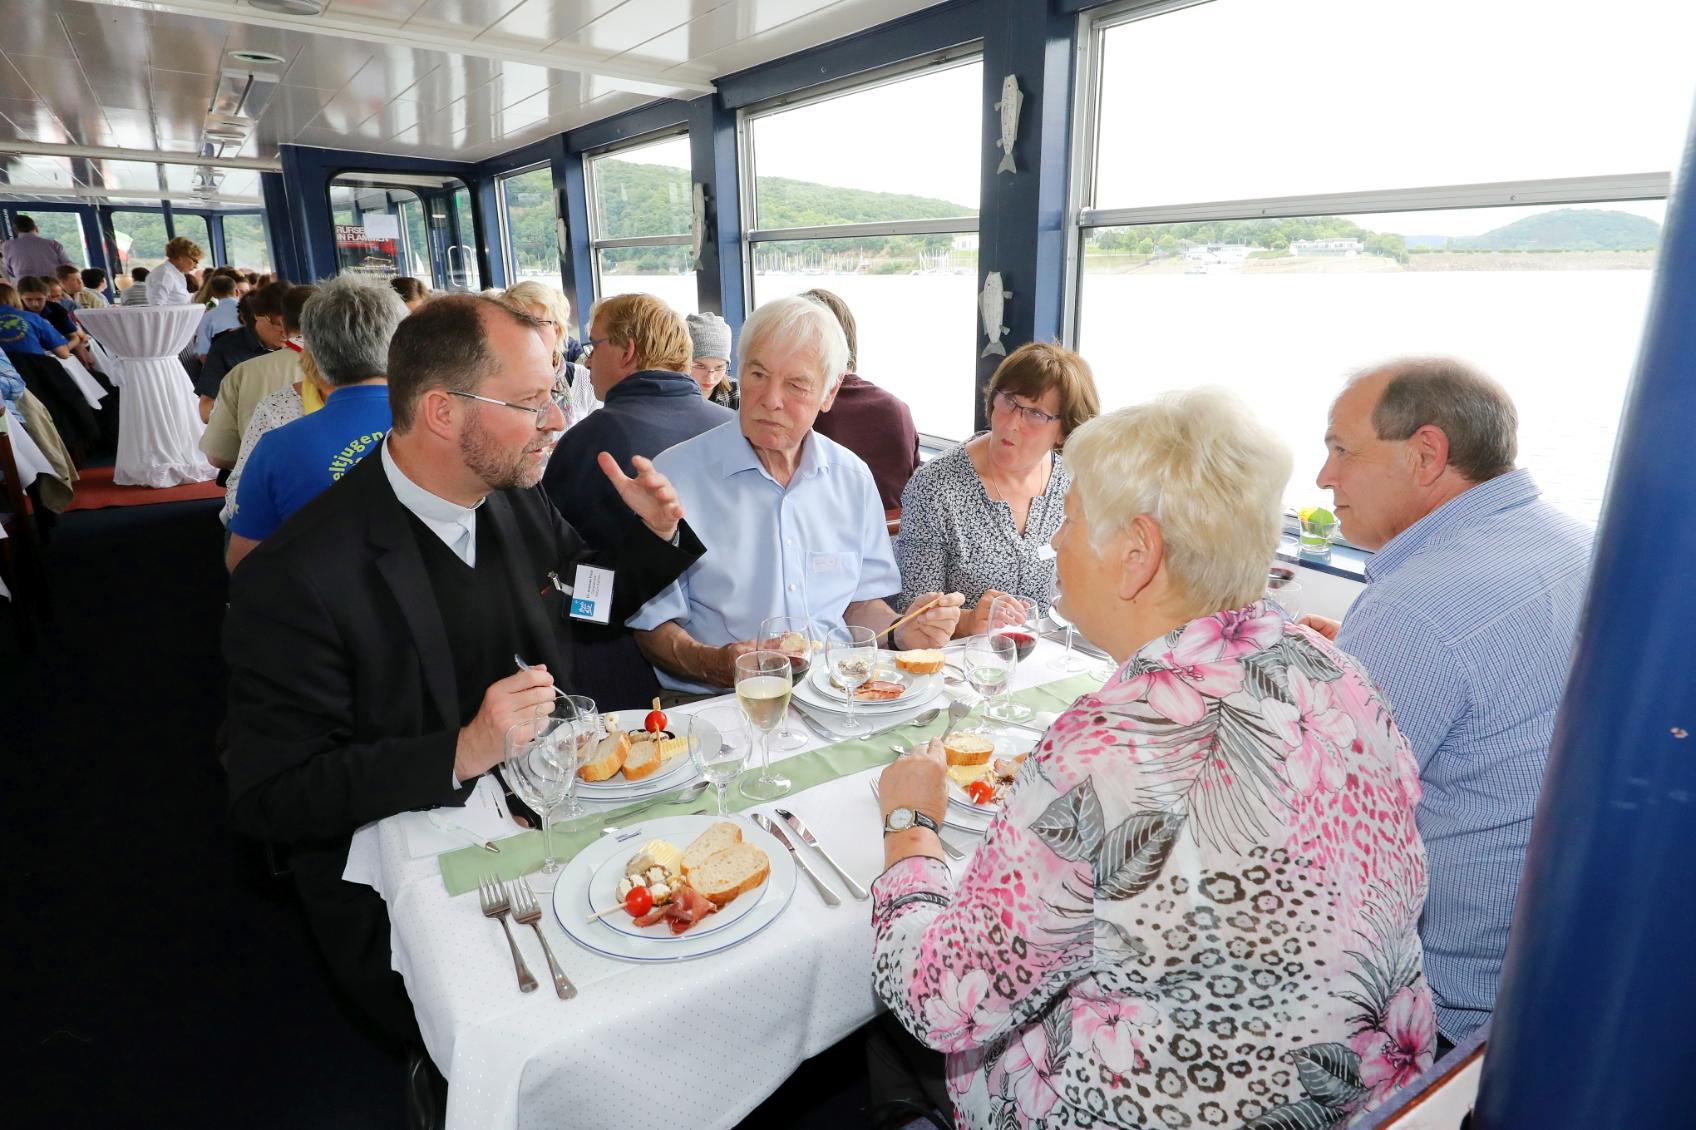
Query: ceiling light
x,y
224,134
290,7
257,56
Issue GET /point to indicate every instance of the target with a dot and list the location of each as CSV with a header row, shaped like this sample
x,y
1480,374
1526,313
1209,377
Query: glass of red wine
x,y
793,636
1010,617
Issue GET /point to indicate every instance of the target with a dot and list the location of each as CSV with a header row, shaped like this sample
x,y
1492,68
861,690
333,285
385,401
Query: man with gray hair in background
x,y
1467,625
346,325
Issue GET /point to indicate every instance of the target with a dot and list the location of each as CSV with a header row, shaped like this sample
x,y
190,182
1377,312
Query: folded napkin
x,y
521,854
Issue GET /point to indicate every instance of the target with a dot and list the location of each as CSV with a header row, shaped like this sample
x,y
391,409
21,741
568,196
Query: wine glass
x,y
762,688
540,766
989,663
719,744
587,734
1283,593
851,652
793,636
1010,617
1070,660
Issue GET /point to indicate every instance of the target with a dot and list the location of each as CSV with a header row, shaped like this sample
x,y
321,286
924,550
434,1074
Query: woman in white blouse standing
x,y
974,519
167,285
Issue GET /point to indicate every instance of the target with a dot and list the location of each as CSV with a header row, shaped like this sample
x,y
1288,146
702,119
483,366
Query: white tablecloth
x,y
159,423
84,380
703,1041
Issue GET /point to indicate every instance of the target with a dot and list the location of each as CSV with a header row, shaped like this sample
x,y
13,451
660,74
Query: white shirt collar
x,y
447,520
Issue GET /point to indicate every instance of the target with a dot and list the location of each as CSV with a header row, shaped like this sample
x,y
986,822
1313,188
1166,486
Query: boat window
x,y
195,228
854,192
246,243
1218,243
641,219
529,226
65,227
141,239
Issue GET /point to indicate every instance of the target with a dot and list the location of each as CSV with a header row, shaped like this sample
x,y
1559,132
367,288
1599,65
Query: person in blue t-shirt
x,y
25,331
346,326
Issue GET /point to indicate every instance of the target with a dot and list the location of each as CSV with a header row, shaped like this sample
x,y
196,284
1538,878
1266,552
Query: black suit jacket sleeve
x,y
300,769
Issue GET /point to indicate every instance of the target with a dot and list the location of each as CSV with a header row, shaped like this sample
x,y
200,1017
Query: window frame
x,y
747,174
1085,216
504,226
597,242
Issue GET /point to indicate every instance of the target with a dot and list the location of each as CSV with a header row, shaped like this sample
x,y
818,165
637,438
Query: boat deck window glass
x,y
246,243
195,228
529,226
65,227
820,182
416,224
141,238
1217,244
640,220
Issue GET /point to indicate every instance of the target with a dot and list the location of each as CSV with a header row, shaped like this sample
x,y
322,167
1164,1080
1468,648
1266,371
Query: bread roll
x,y
967,747
927,662
609,757
725,874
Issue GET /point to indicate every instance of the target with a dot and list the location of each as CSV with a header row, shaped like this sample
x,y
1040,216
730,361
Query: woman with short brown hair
x,y
974,519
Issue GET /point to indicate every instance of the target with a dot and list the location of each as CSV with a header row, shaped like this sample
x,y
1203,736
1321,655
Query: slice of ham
x,y
686,908
653,915
880,690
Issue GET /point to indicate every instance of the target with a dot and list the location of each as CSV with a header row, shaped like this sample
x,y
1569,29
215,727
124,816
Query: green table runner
x,y
521,854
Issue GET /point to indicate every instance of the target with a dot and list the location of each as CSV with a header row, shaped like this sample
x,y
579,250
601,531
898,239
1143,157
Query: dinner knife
x,y
830,897
812,841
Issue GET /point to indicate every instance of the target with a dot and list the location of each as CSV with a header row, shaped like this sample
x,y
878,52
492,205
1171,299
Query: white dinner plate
x,y
571,899
957,798
677,771
914,686
603,892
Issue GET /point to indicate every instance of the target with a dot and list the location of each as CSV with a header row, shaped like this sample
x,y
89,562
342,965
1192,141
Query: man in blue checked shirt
x,y
1467,625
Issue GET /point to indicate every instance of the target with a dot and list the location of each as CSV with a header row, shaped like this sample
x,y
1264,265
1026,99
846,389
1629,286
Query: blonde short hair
x,y
660,334
532,292
1212,476
799,322
184,247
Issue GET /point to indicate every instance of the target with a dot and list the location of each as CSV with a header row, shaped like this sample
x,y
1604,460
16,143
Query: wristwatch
x,y
900,819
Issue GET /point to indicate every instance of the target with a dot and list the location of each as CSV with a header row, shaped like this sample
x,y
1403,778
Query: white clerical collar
x,y
456,525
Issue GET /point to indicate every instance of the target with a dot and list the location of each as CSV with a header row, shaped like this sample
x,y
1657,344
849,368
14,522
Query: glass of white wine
x,y
793,636
990,662
540,767
763,684
851,652
719,743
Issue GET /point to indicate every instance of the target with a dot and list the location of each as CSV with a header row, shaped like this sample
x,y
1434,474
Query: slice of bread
x,y
643,759
967,747
927,662
709,843
608,758
725,874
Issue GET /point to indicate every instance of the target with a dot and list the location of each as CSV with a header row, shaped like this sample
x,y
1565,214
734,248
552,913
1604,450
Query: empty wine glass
x,y
540,766
1069,660
793,636
586,735
1283,593
990,662
1010,618
851,652
762,688
719,743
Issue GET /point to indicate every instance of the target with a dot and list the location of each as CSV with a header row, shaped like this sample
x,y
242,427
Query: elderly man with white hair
x,y
791,520
1219,874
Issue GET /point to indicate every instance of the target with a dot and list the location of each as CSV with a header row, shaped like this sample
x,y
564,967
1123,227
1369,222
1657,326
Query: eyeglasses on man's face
x,y
589,346
543,412
1033,416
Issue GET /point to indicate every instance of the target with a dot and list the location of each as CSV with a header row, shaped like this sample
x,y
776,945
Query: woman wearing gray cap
x,y
709,338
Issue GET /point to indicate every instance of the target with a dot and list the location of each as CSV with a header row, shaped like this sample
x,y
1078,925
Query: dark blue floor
x,y
156,975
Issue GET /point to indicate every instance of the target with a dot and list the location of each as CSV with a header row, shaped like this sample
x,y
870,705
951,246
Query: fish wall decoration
x,y
1011,101
698,223
992,303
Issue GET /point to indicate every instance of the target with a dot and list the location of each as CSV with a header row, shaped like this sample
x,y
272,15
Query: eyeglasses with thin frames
x,y
541,413
589,346
1033,416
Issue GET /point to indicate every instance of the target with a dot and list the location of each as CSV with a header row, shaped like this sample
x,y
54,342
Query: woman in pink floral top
x,y
1199,904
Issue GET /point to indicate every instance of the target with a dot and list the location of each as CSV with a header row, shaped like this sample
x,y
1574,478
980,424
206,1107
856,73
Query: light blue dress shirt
x,y
1467,625
809,550
215,321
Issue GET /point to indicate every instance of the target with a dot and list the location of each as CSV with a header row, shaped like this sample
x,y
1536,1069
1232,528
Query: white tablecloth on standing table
x,y
159,423
710,1038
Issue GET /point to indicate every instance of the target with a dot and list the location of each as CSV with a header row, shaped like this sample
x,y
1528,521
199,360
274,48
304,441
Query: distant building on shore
x,y
1343,247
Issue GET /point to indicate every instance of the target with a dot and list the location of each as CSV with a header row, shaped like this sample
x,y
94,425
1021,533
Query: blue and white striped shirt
x,y
1467,625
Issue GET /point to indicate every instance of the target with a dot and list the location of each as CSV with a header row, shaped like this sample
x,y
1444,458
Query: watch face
x,y
901,819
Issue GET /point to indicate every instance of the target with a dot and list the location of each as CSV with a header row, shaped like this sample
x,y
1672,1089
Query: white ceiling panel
x,y
395,10
127,129
466,16
327,64
639,21
127,174
454,79
32,28
548,21
184,43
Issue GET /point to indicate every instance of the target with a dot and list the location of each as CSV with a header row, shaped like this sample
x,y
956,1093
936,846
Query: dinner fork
x,y
526,911
953,852
492,895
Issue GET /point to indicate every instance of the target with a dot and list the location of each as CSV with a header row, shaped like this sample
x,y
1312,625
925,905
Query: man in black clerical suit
x,y
370,640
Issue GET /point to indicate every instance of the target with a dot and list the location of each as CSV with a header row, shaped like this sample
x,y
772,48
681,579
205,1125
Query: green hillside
x,y
1570,229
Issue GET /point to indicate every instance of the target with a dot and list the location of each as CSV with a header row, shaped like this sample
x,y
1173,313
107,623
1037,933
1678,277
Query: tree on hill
x,y
1569,229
